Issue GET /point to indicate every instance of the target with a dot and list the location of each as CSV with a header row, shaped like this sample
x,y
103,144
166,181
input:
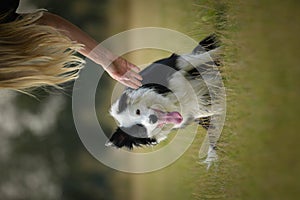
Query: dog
x,y
174,93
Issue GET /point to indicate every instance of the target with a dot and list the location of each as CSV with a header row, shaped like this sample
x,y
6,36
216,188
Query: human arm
x,y
117,67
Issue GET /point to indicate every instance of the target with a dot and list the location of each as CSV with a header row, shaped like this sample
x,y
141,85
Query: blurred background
x,y
42,157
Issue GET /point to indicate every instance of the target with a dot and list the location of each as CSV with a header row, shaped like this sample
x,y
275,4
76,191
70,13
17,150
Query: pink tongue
x,y
173,117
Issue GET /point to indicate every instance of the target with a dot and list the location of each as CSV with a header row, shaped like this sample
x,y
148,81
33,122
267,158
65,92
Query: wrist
x,y
102,56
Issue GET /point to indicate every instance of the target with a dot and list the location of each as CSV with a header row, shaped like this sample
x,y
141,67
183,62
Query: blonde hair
x,y
33,55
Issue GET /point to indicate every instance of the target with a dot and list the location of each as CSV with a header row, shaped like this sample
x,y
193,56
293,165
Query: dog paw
x,y
211,158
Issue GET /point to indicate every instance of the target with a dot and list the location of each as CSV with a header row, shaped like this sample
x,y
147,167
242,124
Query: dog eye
x,y
138,112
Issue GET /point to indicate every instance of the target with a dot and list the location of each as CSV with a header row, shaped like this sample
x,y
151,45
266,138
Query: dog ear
x,y
121,138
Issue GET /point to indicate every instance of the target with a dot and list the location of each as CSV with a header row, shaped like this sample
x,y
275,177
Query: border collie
x,y
175,93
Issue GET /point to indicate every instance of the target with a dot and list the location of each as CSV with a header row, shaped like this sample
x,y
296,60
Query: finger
x,y
134,67
135,81
129,75
130,84
124,78
130,79
135,75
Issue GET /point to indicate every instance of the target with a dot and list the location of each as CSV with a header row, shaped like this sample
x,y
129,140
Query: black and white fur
x,y
175,93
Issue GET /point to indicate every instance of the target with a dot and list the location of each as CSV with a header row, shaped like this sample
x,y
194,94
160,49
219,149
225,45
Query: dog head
x,y
140,115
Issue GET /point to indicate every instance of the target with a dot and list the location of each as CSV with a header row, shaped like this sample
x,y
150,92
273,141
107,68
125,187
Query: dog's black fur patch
x,y
204,122
160,89
120,139
122,103
170,62
157,74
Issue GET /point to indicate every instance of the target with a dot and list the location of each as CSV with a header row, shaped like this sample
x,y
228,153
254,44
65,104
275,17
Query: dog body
x,y
176,91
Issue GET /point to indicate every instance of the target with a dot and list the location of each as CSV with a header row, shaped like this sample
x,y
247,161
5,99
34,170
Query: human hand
x,y
125,72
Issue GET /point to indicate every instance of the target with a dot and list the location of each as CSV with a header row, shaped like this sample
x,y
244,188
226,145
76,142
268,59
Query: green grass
x,y
259,141
258,149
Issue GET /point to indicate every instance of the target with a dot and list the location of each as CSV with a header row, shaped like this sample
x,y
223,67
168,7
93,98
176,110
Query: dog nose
x,y
153,119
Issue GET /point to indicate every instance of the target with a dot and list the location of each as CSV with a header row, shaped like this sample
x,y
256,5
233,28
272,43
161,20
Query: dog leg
x,y
208,150
212,156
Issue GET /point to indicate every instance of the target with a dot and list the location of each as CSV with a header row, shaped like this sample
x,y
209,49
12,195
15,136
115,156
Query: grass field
x,y
259,146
